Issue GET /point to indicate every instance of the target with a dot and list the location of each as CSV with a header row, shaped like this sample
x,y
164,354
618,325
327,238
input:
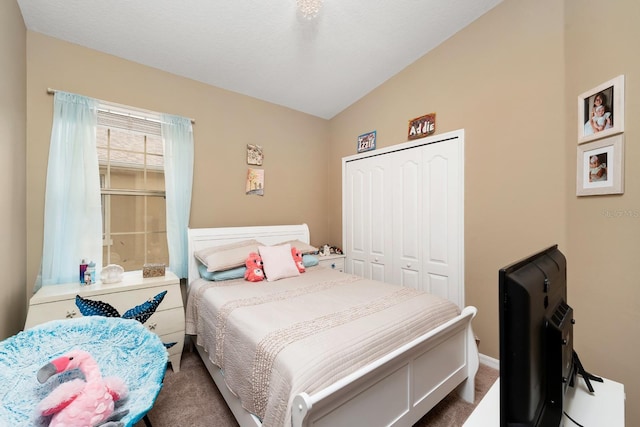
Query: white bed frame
x,y
397,389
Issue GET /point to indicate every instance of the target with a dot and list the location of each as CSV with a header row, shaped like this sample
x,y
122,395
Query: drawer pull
x,y
152,326
71,313
333,265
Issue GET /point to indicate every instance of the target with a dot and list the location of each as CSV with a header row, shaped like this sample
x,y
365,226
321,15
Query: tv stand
x,y
603,407
584,374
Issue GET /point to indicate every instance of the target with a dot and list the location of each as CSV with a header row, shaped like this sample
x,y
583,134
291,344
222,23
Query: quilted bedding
x,y
273,340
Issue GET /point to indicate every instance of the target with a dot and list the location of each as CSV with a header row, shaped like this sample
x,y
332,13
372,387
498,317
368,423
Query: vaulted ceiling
x,y
264,49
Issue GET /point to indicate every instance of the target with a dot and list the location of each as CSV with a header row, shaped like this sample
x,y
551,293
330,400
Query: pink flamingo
x,y
79,403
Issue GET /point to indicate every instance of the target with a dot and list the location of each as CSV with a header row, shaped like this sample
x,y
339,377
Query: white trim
x,y
489,361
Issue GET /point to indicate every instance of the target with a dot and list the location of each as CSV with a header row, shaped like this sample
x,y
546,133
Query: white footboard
x,y
401,387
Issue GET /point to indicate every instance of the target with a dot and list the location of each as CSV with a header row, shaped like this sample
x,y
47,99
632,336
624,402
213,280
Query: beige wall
x,y
489,81
12,175
294,143
511,81
604,231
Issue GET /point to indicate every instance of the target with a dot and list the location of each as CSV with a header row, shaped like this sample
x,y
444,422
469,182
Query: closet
x,y
403,214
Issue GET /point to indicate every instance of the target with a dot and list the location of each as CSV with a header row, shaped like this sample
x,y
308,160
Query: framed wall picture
x,y
255,182
366,142
601,167
254,154
601,111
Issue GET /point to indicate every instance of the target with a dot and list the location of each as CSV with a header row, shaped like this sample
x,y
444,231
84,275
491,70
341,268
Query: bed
x,y
357,367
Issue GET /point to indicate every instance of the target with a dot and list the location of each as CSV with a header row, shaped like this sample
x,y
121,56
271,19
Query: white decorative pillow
x,y
277,262
303,247
225,257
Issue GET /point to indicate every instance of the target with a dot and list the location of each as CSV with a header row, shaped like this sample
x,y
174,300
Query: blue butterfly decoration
x,y
141,312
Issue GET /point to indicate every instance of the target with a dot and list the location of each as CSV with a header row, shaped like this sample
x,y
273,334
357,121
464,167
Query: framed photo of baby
x,y
601,111
601,167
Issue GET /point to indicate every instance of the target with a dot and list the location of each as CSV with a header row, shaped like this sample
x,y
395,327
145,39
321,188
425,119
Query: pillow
x,y
303,247
225,257
278,262
309,260
217,276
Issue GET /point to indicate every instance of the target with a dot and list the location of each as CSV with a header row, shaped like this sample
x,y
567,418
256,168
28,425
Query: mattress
x,y
273,340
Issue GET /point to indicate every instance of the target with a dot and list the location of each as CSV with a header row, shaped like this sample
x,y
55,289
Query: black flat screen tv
x,y
536,340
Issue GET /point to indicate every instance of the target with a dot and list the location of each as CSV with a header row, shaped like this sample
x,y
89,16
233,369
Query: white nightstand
x,y
59,302
334,261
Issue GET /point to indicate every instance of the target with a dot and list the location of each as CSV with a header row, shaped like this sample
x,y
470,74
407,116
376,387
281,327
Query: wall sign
x,y
367,142
422,126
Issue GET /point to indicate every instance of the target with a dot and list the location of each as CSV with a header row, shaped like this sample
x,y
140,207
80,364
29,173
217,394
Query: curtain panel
x,y
177,135
72,208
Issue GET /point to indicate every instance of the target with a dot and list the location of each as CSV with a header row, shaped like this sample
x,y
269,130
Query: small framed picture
x,y
601,167
255,182
601,111
366,142
254,154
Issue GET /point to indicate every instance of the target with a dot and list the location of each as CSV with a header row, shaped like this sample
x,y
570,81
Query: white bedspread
x,y
276,339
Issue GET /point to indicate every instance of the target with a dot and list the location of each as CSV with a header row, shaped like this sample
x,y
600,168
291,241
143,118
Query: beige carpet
x,y
190,398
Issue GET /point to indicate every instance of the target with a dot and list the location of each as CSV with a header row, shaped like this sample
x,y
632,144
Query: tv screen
x,y
536,340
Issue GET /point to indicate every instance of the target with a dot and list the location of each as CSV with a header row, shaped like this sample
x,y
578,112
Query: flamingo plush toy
x,y
79,403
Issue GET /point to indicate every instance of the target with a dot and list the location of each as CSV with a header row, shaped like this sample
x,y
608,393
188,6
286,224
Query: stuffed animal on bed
x,y
254,271
297,257
88,402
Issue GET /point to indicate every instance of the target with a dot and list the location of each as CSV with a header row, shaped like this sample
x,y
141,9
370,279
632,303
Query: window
x,y
131,164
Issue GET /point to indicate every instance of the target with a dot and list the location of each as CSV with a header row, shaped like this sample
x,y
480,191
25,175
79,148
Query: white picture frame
x,y
600,167
611,94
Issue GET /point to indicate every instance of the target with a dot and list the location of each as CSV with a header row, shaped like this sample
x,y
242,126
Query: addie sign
x,y
422,126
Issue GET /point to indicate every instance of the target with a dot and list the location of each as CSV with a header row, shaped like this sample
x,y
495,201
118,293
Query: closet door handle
x,y
408,265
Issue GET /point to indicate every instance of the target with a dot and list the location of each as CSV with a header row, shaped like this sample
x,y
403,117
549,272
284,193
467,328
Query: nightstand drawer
x,y
164,322
121,301
334,262
176,337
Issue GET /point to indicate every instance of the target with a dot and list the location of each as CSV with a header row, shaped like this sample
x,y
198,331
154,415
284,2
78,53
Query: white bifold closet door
x,y
403,216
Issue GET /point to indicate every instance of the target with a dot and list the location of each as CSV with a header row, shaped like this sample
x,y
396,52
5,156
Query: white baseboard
x,y
489,361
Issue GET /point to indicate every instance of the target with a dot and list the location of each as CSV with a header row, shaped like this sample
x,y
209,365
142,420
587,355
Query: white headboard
x,y
200,238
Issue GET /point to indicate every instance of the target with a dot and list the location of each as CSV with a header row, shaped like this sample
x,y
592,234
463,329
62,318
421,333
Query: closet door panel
x,y
379,231
438,285
368,236
377,210
357,213
441,208
407,214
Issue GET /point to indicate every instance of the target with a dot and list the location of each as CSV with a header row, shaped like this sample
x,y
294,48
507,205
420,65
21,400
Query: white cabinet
x,y
59,302
403,215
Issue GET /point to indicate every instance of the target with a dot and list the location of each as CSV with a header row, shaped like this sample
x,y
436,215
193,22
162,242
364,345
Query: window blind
x,y
115,119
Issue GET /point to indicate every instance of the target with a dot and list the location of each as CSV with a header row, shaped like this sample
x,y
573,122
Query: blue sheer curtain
x,y
177,134
72,208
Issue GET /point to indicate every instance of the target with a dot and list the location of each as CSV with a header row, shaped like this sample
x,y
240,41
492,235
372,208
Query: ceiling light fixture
x,y
309,8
